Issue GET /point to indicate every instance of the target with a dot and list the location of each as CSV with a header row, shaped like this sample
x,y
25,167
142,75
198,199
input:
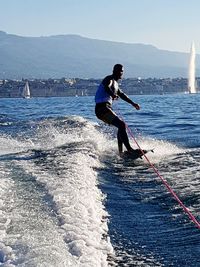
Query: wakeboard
x,y
136,154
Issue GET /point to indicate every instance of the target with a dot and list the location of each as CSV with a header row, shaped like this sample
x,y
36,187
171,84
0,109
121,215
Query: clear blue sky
x,y
166,24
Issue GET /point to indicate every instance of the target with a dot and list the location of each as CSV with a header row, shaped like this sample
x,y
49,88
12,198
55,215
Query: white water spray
x,y
191,78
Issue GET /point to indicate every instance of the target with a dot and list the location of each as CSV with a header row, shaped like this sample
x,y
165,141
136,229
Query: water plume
x,y
191,76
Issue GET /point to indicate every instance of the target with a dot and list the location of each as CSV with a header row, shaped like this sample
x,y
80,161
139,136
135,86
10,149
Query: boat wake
x,y
50,201
56,181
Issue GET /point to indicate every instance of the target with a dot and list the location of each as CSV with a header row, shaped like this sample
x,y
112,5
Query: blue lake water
x,y
67,199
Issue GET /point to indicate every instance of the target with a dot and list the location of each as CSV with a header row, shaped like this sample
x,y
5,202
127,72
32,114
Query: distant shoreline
x,y
87,87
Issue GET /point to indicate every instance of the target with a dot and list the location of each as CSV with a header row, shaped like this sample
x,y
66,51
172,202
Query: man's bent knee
x,y
119,123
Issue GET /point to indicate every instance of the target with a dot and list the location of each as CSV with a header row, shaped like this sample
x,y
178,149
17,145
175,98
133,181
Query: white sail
x,y
26,91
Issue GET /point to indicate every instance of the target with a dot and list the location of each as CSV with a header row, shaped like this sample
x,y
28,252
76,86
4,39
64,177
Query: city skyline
x,y
170,25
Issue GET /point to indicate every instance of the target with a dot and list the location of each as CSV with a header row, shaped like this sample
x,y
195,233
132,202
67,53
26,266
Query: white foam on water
x,y
49,136
78,202
6,253
81,237
28,236
162,149
10,145
70,178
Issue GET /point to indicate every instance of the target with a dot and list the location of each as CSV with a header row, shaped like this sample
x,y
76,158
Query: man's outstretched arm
x,y
123,96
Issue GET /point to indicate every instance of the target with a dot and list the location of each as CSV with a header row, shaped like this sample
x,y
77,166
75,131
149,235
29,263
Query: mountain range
x,y
74,56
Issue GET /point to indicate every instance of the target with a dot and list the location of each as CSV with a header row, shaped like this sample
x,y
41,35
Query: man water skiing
x,y
108,91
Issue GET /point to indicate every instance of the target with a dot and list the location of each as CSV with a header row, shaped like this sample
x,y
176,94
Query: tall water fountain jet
x,y
191,78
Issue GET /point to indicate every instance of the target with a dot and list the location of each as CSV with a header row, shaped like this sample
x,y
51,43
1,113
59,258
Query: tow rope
x,y
187,211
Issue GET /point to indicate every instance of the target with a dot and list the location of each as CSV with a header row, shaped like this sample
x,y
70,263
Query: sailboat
x,y
26,91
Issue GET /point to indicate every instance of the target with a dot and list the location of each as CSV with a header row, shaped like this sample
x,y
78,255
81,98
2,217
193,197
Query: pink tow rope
x,y
191,216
